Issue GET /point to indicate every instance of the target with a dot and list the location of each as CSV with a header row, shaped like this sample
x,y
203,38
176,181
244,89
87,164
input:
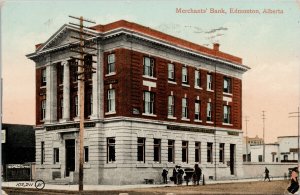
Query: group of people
x,y
179,175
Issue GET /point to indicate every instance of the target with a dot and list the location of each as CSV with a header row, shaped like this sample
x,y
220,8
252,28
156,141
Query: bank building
x,y
155,101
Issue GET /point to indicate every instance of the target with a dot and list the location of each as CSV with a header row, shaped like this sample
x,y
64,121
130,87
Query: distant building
x,y
18,145
250,142
288,148
155,101
271,152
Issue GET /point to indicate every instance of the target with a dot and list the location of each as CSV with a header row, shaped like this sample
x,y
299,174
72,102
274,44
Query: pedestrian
x,y
294,185
180,173
197,174
267,174
175,171
164,174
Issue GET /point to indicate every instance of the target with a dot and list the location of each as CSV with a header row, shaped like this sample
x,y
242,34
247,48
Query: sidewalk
x,y
28,184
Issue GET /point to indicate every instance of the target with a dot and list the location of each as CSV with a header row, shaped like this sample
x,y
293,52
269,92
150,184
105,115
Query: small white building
x,y
271,152
288,148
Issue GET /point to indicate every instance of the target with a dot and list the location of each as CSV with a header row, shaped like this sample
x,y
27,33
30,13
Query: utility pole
x,y
246,120
264,146
294,115
84,69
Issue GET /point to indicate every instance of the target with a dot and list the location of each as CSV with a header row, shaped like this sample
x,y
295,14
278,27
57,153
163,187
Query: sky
x,y
268,44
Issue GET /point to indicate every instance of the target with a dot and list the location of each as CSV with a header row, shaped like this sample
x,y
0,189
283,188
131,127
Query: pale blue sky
x,y
268,43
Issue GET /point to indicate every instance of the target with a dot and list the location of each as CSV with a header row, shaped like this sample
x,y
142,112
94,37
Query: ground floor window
x,y
141,149
171,149
209,152
198,152
157,150
221,152
86,154
111,154
185,150
55,155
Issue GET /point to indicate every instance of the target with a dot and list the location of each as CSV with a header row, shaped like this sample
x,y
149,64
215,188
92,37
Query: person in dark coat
x,y
165,175
267,176
179,175
294,185
197,174
175,171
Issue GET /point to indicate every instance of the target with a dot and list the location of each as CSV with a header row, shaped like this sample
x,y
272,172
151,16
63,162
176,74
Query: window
x,y
60,73
185,150
61,108
209,81
210,152
184,108
111,106
111,63
171,106
43,109
43,77
171,150
141,149
226,115
171,72
227,85
259,158
55,155
42,152
76,106
198,152
148,66
221,152
197,78
157,150
148,102
111,152
184,75
197,110
208,112
91,104
86,153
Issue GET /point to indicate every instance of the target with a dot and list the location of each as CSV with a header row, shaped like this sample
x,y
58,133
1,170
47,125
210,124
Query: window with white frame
x,y
185,151
43,78
210,152
171,151
197,110
111,102
184,75
171,72
226,115
43,109
208,112
111,149
221,152
197,78
198,152
171,106
141,149
209,82
111,63
157,148
227,85
148,102
149,67
184,108
55,155
76,106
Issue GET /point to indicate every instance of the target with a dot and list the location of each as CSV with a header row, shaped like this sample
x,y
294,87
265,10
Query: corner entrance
x,y
232,159
70,156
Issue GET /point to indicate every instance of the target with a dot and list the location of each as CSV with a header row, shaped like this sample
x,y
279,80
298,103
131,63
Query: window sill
x,y
110,74
197,87
210,90
198,121
227,124
209,122
185,119
228,94
149,77
185,85
146,114
110,113
172,117
172,82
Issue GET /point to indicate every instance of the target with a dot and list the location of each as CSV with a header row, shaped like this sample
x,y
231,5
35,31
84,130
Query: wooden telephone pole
x,y
84,69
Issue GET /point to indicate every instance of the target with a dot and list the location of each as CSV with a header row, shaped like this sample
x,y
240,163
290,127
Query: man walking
x,y
267,174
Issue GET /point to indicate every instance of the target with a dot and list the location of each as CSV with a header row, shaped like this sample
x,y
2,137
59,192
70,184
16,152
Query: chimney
x,y
216,46
37,46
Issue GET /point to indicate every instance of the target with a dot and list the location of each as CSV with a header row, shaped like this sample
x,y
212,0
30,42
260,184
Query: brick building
x,y
155,101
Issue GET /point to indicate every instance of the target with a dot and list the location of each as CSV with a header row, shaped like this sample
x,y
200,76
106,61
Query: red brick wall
x,y
40,95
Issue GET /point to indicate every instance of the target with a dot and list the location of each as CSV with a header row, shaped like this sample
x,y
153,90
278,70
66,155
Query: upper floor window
x,y
149,67
171,105
43,77
111,63
76,106
148,102
111,105
197,110
61,108
184,75
226,115
43,109
197,78
227,85
184,108
171,72
208,112
209,82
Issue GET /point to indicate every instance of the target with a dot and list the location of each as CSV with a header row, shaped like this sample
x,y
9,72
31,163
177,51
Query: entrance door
x,y
70,156
232,158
